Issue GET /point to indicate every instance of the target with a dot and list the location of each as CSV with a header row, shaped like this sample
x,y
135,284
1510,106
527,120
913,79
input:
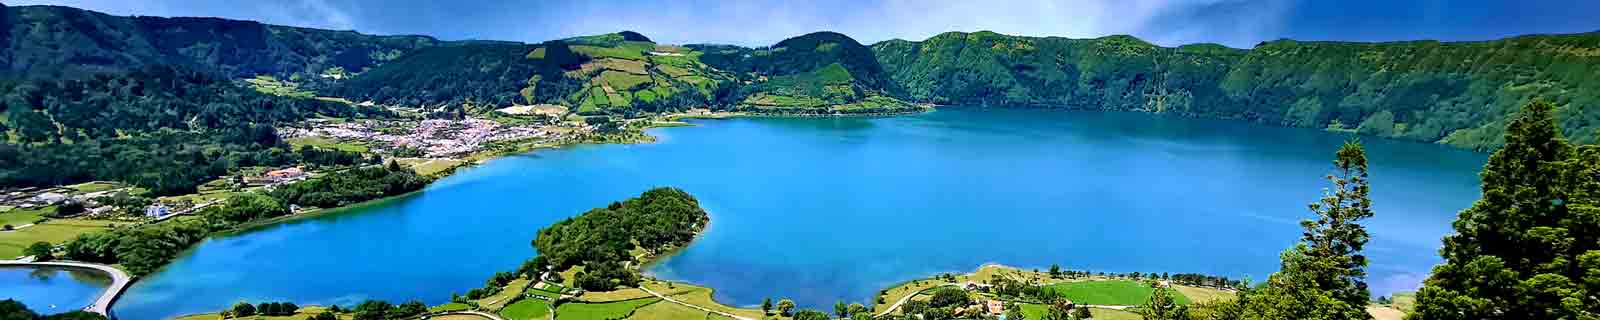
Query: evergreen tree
x,y
766,306
1323,276
1160,306
1530,248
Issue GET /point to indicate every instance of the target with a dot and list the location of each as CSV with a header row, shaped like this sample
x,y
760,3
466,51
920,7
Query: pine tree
x,y
1530,248
1323,276
1160,306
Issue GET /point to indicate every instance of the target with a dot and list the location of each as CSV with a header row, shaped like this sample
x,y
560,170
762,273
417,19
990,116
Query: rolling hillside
x,y
1457,93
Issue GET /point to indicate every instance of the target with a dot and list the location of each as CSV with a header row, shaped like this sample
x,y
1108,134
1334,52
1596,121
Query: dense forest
x,y
55,42
351,186
163,128
604,240
1458,93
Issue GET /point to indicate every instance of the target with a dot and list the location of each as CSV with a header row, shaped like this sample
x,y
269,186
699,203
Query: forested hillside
x,y
617,73
162,128
1457,93
55,42
821,72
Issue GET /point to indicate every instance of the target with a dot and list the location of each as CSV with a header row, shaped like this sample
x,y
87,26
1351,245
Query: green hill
x,y
822,72
615,73
1458,93
53,41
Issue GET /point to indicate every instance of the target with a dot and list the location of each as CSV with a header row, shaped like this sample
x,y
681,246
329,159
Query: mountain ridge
x,y
1453,92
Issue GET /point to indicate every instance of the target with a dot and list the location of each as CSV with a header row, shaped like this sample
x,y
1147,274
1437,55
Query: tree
x,y
1160,306
766,305
1530,247
949,297
840,309
325,315
1059,309
372,310
1055,271
1014,312
809,314
1080,313
69,208
11,309
856,309
40,251
1322,277
785,306
243,309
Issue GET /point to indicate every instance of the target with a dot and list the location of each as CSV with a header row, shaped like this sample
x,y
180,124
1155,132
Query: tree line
x,y
142,249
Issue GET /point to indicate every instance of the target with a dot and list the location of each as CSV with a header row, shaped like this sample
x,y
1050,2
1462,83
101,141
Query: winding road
x,y
908,297
102,306
725,314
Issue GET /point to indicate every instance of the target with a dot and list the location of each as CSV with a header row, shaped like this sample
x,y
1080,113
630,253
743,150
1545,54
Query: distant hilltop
x,y
1455,93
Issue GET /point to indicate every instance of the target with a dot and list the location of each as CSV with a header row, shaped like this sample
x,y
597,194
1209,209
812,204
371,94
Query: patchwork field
x,y
1109,292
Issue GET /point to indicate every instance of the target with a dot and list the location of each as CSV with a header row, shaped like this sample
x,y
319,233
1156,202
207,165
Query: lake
x,y
52,290
821,210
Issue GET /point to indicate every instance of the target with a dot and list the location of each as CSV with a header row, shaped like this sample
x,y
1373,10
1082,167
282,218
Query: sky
x,y
1235,23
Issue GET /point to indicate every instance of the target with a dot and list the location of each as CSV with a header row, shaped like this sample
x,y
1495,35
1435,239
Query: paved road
x,y
468,312
903,300
725,314
119,281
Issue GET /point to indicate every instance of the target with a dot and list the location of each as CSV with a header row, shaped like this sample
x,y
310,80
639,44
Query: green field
x,y
54,231
526,309
95,186
600,311
1110,292
673,311
17,217
322,142
1036,311
453,306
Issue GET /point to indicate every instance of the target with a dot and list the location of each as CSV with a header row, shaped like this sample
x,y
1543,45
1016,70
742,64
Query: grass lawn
x,y
323,142
1109,292
499,300
95,186
1108,314
526,309
55,231
614,295
305,312
600,311
17,217
453,306
904,289
1197,294
672,311
700,296
1405,302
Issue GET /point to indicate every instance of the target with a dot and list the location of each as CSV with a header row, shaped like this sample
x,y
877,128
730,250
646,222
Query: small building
x,y
100,210
49,198
996,307
156,210
286,174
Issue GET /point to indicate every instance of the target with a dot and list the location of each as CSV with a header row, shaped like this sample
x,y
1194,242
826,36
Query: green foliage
x,y
11,309
602,238
56,41
41,251
785,307
1323,276
1162,307
1457,93
1529,248
352,186
949,297
161,128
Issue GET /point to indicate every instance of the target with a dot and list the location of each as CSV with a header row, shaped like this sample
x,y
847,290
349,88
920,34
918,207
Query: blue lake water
x,y
821,210
50,290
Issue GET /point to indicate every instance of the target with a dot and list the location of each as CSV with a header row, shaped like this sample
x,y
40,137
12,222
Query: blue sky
x,y
1236,23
